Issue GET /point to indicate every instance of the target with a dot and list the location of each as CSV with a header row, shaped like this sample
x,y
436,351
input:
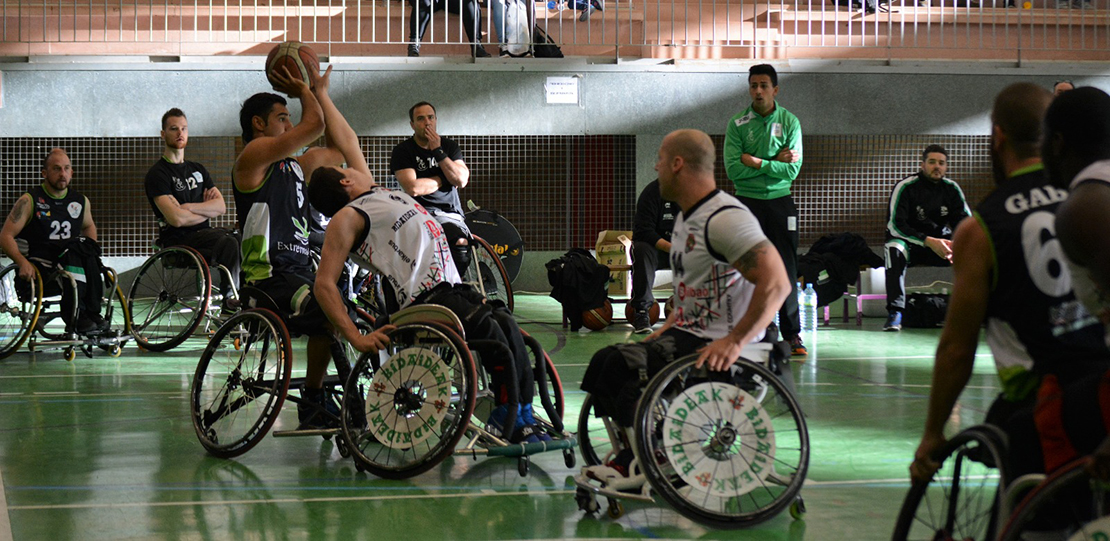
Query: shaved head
x,y
694,147
1019,112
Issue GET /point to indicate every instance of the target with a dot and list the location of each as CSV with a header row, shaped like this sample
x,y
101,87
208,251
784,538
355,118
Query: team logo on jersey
x,y
421,208
42,206
178,185
690,242
301,229
74,209
920,213
943,210
292,166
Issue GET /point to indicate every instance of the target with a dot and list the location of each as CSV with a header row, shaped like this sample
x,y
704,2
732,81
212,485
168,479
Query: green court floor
x,y
104,449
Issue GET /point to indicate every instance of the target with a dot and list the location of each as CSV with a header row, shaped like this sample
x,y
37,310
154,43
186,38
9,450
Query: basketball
x,y
653,313
668,306
598,318
295,56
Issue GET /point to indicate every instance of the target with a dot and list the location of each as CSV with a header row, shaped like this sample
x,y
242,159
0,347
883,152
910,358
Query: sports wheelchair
x,y
972,496
33,309
727,449
171,294
402,411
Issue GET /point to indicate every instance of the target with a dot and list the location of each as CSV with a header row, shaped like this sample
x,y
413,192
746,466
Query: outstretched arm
x,y
342,143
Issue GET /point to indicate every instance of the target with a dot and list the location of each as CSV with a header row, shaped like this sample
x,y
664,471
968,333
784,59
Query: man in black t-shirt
x,y
184,198
430,168
651,247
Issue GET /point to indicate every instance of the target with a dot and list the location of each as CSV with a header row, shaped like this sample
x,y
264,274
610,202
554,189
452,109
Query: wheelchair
x,y
171,295
1068,504
407,408
726,449
33,309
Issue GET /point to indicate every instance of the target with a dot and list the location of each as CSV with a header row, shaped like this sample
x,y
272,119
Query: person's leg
x,y
497,12
472,22
897,259
419,17
459,240
219,247
645,259
779,220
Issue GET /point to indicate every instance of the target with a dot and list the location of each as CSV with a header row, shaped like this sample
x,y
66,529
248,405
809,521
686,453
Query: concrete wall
x,y
60,96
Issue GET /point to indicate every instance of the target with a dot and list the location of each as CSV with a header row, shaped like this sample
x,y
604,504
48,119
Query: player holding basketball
x,y
272,210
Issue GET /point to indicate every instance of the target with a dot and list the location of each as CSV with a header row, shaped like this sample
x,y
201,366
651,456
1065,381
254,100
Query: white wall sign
x,y
561,90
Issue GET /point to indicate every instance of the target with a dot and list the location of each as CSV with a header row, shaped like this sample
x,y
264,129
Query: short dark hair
x,y
764,69
257,105
1082,118
931,149
172,113
419,104
1019,113
325,192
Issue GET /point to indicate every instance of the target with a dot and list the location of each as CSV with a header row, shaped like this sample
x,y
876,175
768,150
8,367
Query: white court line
x,y
482,494
5,522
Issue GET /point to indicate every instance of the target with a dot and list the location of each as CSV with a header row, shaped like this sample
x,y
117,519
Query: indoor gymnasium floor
x,y
104,448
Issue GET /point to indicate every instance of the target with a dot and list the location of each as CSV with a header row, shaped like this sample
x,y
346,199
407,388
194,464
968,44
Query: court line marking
x,y
336,499
5,521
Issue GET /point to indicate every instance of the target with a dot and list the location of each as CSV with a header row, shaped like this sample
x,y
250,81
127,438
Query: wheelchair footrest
x,y
631,488
306,432
523,449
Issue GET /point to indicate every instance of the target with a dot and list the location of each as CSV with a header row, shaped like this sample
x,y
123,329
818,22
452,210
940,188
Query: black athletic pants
x,y
779,220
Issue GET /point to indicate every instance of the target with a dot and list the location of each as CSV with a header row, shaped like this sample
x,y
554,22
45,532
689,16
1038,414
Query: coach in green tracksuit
x,y
763,154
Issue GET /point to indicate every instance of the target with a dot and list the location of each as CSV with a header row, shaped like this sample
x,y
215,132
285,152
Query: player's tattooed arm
x,y
19,211
750,260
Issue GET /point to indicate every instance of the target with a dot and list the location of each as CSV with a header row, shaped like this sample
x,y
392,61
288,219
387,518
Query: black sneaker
x,y
101,323
503,53
893,322
84,325
480,52
641,323
414,49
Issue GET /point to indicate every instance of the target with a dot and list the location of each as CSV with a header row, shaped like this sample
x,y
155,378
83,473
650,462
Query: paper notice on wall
x,y
562,90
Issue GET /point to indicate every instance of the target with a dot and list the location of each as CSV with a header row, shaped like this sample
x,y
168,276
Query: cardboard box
x,y
614,248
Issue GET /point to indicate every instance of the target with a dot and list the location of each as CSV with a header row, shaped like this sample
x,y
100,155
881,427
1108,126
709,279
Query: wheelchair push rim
x,y
20,305
169,297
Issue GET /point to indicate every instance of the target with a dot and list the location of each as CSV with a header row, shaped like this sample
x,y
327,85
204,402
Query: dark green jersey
x,y
54,221
274,221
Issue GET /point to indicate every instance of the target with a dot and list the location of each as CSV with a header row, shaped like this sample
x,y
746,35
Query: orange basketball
x,y
598,318
668,306
295,56
653,313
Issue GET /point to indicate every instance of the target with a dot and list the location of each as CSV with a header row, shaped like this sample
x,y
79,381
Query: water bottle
x,y
809,309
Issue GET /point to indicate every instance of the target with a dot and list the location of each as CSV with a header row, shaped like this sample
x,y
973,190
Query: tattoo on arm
x,y
17,213
750,259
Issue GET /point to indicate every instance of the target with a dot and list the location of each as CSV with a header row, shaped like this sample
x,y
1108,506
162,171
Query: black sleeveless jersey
x,y
274,222
1035,325
54,221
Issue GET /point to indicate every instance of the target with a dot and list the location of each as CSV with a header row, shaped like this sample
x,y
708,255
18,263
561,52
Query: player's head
x,y
1076,133
686,159
1062,86
763,86
1017,119
264,113
57,171
422,115
330,188
934,162
175,129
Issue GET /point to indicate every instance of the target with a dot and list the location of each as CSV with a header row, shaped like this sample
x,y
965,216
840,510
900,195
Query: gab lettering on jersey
x,y
1018,203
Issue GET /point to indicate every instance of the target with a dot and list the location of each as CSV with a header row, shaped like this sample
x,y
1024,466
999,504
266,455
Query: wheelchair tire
x,y
169,297
716,453
961,499
489,274
115,304
20,304
594,442
1068,500
392,426
237,393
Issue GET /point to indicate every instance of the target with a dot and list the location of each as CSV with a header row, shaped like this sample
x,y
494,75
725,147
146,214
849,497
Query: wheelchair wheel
x,y
595,436
237,393
20,303
115,303
169,297
405,409
714,451
489,273
961,499
1069,502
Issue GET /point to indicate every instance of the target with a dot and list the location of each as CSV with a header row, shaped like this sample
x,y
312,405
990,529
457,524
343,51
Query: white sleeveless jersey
x,y
1085,287
710,294
403,244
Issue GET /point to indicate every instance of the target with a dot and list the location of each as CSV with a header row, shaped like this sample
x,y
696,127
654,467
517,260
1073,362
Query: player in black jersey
x,y
272,210
184,198
1008,273
57,224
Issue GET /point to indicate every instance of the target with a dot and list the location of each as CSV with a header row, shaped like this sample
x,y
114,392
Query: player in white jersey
x,y
729,282
390,234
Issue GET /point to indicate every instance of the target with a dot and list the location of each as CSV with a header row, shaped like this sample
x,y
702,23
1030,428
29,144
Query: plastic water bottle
x,y
809,309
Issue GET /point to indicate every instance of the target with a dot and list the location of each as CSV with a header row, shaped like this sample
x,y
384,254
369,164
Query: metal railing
x,y
956,29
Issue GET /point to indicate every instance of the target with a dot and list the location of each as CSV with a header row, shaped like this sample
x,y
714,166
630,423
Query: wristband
x,y
439,154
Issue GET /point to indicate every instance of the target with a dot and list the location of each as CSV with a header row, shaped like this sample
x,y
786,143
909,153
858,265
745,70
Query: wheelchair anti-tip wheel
x,y
237,393
713,450
405,409
20,304
169,297
961,499
1068,502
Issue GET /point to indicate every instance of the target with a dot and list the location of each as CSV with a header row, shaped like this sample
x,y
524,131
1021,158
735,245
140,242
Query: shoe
x,y
231,304
893,322
503,53
641,324
585,16
414,49
101,323
480,52
538,433
84,325
796,347
311,417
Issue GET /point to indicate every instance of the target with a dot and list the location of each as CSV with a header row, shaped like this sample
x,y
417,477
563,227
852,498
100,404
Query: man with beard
x,y
1008,274
924,210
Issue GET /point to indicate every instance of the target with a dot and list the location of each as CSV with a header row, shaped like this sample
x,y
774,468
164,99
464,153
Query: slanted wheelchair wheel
x,y
1069,500
115,304
20,304
169,297
961,499
491,277
405,409
594,441
715,452
237,393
